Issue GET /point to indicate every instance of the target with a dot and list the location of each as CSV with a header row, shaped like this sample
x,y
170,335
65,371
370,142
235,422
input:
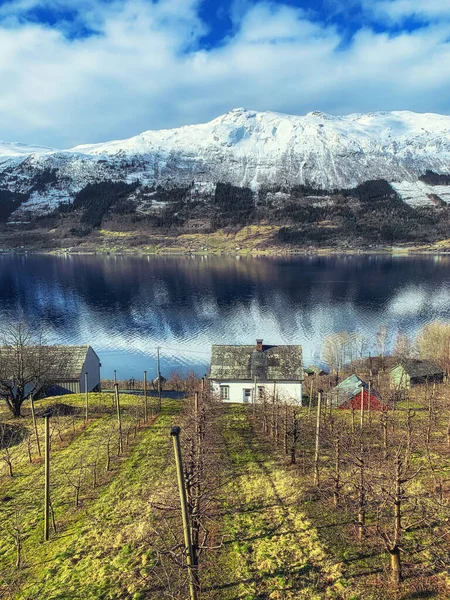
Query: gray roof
x,y
421,368
350,387
65,361
274,363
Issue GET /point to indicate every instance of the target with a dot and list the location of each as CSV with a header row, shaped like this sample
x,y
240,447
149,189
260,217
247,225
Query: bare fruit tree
x,y
27,365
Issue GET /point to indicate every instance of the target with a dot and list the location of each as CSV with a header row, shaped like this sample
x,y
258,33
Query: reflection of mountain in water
x,y
128,305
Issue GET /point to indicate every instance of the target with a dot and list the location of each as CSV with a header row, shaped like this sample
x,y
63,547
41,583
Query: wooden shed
x,y
348,394
312,371
76,362
412,372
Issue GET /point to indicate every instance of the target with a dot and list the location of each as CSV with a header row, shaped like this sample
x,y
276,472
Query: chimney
x,y
259,346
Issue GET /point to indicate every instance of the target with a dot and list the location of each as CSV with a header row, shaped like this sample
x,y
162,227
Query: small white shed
x,y
246,374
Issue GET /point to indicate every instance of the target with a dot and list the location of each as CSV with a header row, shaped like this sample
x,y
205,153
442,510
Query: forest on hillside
x,y
371,215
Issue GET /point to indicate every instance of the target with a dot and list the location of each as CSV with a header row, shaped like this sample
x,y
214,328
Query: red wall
x,y
355,402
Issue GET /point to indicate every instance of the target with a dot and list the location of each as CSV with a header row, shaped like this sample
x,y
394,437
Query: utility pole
x,y
33,414
86,391
145,398
175,433
47,476
115,377
119,418
159,380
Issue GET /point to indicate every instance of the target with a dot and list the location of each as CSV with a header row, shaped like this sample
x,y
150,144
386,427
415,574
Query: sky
x,y
83,71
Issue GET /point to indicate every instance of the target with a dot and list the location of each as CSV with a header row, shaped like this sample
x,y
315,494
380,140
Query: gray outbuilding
x,y
77,361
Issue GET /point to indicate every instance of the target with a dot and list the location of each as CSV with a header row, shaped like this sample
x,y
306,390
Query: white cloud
x,y
399,10
146,69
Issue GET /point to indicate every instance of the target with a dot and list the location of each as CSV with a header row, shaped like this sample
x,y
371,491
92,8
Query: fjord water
x,y
127,306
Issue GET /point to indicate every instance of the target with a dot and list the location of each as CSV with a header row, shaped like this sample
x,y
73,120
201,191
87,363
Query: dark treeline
x,y
370,214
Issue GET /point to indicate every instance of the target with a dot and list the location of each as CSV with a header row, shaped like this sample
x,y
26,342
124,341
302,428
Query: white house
x,y
249,373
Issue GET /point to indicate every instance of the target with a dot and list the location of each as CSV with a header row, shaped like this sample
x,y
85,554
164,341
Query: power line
x,y
182,350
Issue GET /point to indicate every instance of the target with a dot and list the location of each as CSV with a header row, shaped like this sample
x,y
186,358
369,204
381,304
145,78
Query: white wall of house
x,y
243,391
92,367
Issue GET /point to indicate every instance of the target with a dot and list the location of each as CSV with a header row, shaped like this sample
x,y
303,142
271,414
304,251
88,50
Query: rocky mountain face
x,y
273,158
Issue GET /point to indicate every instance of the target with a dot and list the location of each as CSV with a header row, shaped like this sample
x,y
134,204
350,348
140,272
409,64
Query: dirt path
x,y
271,550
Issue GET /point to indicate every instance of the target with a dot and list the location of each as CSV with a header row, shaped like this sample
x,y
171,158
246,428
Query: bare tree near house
x,y
342,348
381,342
403,347
433,342
27,365
10,438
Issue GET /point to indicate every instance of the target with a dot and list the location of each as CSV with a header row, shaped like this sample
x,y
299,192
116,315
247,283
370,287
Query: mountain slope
x,y
243,167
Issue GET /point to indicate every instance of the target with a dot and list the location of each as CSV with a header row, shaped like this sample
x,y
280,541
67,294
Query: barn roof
x,y
350,386
421,368
66,361
272,363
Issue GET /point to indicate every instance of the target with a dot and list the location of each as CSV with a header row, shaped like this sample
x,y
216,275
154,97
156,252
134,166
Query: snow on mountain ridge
x,y
239,125
250,148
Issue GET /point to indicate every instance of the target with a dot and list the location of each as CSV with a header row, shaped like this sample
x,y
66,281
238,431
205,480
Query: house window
x,y
261,390
247,394
224,392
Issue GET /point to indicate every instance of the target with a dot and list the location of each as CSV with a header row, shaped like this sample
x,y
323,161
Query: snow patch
x,y
418,193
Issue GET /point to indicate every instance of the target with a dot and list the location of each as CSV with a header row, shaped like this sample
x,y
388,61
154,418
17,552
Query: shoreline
x,y
269,253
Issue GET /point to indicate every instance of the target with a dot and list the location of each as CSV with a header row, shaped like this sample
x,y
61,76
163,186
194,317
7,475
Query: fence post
x,y
33,414
317,450
86,391
47,476
145,398
119,417
175,433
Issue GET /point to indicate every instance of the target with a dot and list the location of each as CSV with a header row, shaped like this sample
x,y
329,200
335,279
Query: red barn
x,y
349,392
371,402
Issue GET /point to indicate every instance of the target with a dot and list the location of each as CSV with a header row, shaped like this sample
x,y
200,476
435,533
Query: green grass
x,y
271,550
99,545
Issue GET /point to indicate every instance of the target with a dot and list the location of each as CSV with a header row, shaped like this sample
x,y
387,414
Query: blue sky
x,y
76,71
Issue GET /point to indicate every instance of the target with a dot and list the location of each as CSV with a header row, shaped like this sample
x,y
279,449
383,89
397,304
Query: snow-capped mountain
x,y
248,149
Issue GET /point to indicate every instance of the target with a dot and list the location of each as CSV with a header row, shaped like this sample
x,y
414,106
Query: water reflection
x,y
125,307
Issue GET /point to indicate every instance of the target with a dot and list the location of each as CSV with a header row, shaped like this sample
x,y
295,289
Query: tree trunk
x,y
396,566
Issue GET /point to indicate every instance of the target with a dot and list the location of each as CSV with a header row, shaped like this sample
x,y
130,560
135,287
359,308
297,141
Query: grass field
x,y
273,534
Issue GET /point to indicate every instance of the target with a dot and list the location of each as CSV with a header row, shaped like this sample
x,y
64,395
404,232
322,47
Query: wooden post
x,y
362,407
159,381
310,397
175,433
33,414
47,476
145,398
86,391
316,454
254,396
119,417
115,377
197,416
368,402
